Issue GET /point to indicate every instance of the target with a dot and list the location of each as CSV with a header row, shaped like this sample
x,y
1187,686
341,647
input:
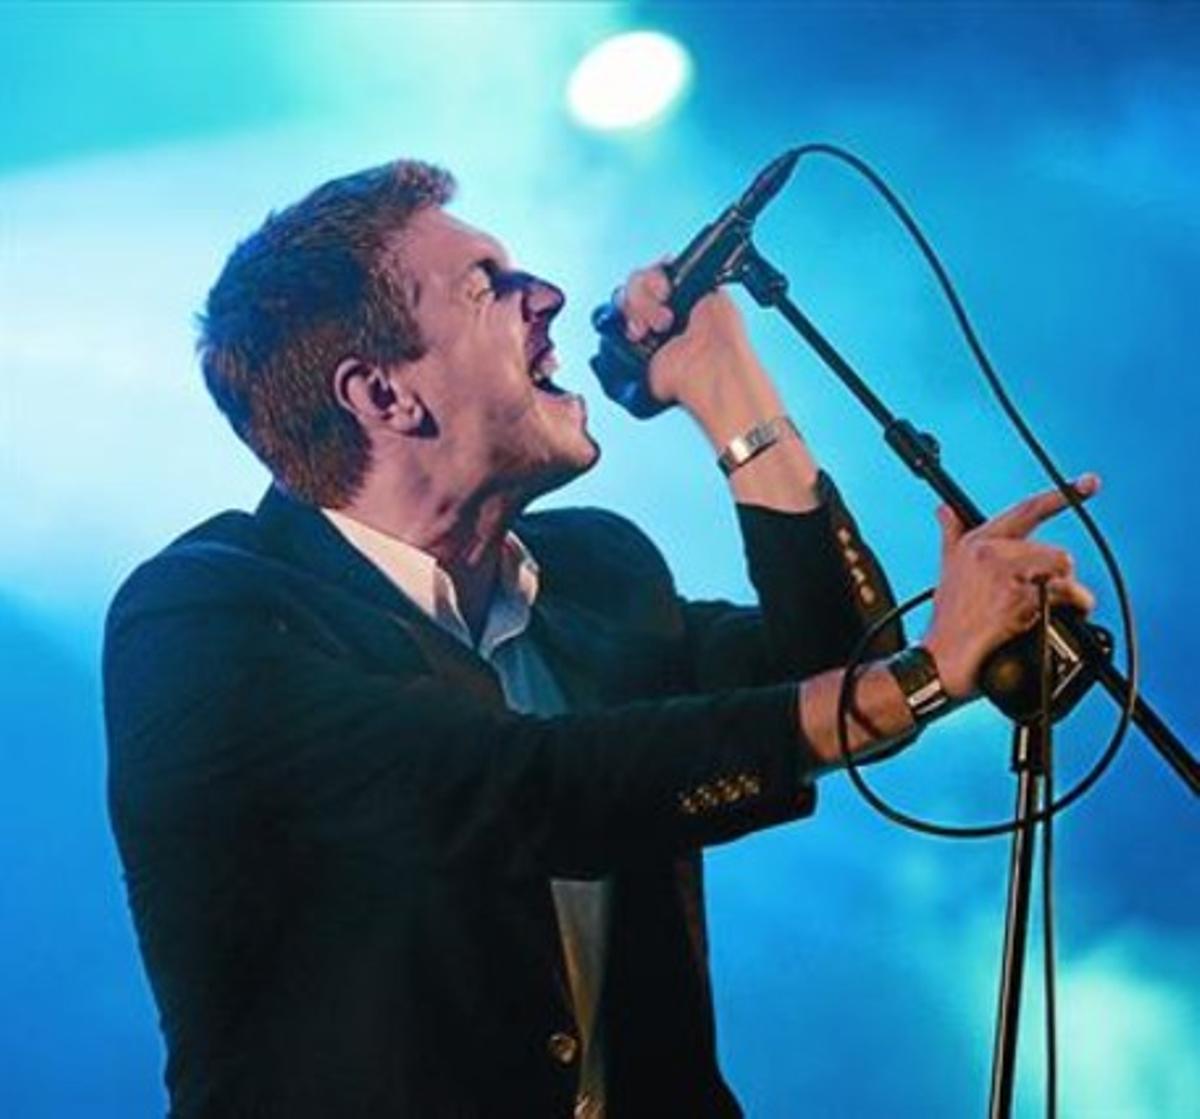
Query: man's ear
x,y
371,394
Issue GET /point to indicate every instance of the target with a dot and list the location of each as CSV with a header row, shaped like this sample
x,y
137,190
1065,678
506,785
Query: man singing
x,y
409,784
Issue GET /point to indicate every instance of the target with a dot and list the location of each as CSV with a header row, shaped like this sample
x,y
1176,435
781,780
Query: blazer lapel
x,y
303,536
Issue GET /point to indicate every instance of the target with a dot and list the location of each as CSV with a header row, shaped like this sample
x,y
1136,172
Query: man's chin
x,y
591,455
574,461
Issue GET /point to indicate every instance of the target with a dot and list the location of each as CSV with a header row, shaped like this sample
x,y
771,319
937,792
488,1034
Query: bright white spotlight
x,y
628,80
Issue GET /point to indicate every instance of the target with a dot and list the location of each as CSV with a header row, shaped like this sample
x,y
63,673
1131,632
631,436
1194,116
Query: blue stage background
x,y
1051,152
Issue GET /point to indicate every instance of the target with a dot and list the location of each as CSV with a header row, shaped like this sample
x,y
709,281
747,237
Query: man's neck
x,y
464,537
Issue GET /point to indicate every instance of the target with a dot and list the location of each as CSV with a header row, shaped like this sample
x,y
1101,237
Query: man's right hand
x,y
988,589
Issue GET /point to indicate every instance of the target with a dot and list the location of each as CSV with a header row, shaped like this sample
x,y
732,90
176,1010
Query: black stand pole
x,y
1071,653
1029,764
1074,641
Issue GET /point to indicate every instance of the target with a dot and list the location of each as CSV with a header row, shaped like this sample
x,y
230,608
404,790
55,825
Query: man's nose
x,y
541,299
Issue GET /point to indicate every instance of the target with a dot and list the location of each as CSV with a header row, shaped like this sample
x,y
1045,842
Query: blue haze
x,y
1051,152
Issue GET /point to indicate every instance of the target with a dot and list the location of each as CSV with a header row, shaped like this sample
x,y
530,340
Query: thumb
x,y
953,529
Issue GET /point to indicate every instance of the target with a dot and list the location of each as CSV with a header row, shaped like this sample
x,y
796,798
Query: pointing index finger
x,y
1019,521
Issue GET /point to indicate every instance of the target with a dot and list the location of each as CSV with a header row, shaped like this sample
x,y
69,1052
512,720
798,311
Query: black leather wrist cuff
x,y
916,672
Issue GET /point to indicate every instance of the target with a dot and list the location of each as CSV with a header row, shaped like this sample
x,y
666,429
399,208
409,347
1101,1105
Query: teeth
x,y
543,367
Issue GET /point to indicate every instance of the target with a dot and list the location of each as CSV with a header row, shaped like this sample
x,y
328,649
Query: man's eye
x,y
485,283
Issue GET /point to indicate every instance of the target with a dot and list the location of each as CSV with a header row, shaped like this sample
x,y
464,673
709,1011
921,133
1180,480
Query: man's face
x,y
485,379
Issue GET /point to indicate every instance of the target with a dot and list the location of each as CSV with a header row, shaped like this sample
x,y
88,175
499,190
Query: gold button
x,y
562,1047
688,805
867,595
844,535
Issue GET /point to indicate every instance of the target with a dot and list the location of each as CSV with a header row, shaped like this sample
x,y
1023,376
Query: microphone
x,y
710,259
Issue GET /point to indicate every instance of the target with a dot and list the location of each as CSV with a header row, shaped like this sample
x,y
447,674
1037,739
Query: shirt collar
x,y
423,580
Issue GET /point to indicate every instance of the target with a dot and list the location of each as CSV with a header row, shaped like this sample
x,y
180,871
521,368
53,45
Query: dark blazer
x,y
337,841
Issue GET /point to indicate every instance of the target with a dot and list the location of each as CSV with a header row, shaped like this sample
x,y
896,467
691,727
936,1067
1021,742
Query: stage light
x,y
628,80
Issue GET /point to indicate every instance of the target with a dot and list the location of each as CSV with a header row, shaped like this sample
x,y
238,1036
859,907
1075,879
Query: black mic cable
x,y
1046,755
712,258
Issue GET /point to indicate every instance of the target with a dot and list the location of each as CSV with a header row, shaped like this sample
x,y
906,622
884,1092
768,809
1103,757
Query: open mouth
x,y
542,366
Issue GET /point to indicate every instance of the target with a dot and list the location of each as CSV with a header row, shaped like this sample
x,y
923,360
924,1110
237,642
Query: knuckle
x,y
646,278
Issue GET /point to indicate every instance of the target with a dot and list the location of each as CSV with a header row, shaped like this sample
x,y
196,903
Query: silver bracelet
x,y
752,443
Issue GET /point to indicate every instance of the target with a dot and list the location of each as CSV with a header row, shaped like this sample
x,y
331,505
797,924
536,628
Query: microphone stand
x,y
1031,747
1073,656
1081,646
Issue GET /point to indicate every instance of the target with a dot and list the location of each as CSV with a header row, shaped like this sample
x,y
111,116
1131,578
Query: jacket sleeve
x,y
819,587
233,711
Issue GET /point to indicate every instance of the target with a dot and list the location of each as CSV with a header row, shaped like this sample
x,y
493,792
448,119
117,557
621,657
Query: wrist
x,y
955,672
916,673
729,397
754,441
